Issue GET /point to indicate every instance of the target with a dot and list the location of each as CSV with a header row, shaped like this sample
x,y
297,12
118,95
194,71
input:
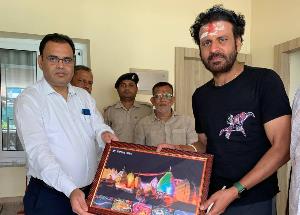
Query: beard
x,y
219,67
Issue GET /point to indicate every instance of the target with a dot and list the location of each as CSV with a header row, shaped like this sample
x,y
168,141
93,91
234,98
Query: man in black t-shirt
x,y
242,117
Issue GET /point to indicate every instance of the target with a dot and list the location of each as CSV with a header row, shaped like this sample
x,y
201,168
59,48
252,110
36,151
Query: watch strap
x,y
241,188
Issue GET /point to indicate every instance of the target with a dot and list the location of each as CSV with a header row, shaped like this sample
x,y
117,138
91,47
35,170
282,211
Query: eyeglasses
x,y
55,60
163,95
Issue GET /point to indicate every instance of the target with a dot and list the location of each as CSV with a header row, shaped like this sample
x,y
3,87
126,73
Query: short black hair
x,y
219,13
58,38
161,84
81,67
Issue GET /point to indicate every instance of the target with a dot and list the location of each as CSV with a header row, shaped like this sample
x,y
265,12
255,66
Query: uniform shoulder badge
x,y
145,104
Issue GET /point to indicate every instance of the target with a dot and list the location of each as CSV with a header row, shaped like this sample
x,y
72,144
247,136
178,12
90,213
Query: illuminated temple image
x,y
138,183
160,193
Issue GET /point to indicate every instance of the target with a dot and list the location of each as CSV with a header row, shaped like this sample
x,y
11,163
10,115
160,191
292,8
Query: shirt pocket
x,y
154,135
179,136
87,124
118,126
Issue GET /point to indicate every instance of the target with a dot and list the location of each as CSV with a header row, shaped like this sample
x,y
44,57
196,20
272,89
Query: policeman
x,y
123,115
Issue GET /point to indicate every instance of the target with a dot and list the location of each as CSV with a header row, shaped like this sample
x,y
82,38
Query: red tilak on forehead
x,y
210,27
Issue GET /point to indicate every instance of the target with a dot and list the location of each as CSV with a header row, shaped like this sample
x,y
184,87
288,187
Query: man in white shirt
x,y
58,125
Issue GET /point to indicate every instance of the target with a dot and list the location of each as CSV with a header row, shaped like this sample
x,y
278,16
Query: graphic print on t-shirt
x,y
236,124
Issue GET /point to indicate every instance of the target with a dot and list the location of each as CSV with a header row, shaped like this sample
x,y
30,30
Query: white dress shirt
x,y
58,138
294,203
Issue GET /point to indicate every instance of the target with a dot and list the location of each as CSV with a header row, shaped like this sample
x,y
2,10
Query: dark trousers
x,y
41,199
259,208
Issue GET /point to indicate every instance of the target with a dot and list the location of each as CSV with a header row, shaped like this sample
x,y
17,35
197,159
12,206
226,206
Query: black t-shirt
x,y
232,117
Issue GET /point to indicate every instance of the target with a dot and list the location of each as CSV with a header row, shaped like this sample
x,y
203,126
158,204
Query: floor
x,y
11,206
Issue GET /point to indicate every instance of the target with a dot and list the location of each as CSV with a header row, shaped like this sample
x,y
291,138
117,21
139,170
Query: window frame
x,y
30,42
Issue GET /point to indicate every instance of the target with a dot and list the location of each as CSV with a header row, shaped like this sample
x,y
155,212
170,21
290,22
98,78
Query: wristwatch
x,y
242,190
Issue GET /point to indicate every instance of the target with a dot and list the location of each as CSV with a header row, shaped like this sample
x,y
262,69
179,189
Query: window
x,y
19,69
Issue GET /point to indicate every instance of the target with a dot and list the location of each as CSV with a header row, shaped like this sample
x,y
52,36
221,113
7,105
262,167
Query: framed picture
x,y
135,179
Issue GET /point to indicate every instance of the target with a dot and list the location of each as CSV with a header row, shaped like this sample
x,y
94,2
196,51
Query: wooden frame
x,y
135,179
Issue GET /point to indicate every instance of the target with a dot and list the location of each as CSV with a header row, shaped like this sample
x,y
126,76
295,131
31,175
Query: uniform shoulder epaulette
x,y
145,104
109,106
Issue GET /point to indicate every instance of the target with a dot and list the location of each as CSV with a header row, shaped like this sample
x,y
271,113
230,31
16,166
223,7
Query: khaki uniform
x,y
123,121
179,130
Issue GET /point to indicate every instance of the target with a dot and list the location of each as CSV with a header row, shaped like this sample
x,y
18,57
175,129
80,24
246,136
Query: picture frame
x,y
135,179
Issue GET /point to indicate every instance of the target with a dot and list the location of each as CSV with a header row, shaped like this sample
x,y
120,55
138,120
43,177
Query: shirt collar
x,y
120,105
154,118
72,90
47,89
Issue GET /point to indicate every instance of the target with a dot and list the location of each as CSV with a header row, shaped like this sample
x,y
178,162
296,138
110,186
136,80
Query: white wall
x,y
12,181
273,22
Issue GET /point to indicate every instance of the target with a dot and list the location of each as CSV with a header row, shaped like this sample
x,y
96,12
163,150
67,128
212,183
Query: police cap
x,y
127,76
